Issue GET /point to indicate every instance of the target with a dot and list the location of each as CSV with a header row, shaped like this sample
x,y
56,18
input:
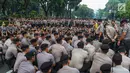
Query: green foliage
x,y
83,12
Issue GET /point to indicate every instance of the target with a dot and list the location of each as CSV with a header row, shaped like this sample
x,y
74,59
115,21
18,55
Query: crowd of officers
x,y
75,46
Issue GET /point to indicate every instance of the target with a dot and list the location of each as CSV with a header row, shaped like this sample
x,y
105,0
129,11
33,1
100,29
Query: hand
x,y
113,40
118,43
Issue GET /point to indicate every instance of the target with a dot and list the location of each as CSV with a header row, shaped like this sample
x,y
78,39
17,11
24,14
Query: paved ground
x,y
3,68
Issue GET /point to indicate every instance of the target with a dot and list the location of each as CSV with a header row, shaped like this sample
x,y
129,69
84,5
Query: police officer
x,y
44,56
90,48
125,37
125,60
66,69
12,52
46,67
25,40
27,66
47,40
79,58
100,58
33,45
117,59
21,57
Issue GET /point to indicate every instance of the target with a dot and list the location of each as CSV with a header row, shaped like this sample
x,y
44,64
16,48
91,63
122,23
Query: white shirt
x,y
119,69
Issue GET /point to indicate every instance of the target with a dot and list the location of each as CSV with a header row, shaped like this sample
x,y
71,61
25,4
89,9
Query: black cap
x,y
105,68
45,67
15,40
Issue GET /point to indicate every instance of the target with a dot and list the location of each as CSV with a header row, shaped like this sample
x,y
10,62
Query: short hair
x,y
122,49
64,59
80,44
55,33
105,48
24,47
48,37
24,32
42,34
68,38
33,41
59,40
89,40
105,68
36,34
44,46
117,59
15,40
106,41
46,66
80,37
123,21
30,55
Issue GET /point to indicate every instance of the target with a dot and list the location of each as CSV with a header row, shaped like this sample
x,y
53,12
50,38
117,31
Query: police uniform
x,y
32,48
25,41
75,38
46,42
57,50
44,57
7,43
125,62
75,43
20,57
26,67
79,56
11,52
98,60
67,69
119,69
90,49
97,44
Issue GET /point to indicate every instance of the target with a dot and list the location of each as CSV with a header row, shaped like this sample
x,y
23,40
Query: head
x,y
80,44
113,22
42,36
48,37
106,41
16,41
117,59
104,48
80,37
46,67
11,36
44,47
25,48
123,22
65,59
99,21
86,35
24,33
105,68
36,35
34,42
89,40
56,35
59,40
68,40
122,50
30,56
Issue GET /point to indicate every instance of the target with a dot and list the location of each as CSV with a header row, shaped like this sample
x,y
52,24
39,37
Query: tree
x,y
83,12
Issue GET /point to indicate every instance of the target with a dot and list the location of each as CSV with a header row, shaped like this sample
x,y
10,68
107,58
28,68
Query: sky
x,y
95,4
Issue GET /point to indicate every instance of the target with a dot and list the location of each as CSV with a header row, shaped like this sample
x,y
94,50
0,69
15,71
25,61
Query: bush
x,y
6,22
